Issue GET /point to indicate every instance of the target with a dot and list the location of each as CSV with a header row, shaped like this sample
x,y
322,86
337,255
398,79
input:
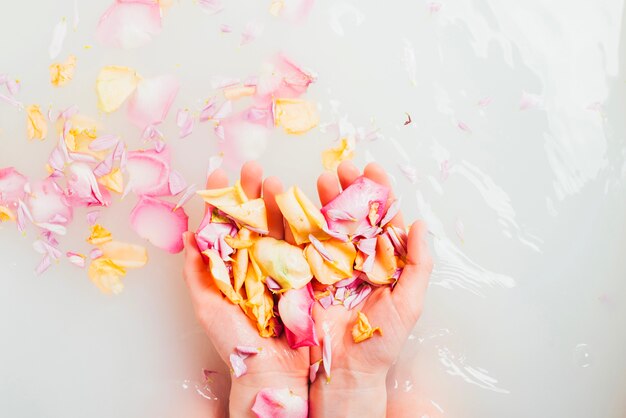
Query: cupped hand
x,y
277,365
364,366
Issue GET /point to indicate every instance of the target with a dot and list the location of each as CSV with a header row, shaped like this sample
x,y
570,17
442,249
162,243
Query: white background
x,y
524,315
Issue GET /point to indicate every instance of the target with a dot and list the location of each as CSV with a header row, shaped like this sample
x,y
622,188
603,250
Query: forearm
x,y
244,389
348,394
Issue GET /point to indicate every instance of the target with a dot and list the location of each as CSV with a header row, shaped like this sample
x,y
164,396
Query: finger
x,y
271,187
251,179
327,187
376,173
217,180
408,294
347,173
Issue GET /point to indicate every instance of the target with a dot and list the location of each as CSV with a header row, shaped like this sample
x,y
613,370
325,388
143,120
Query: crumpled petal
x,y
151,102
128,256
295,116
62,73
113,181
385,262
362,330
210,233
221,276
364,200
36,125
106,275
83,188
12,184
295,307
332,157
339,267
259,303
149,172
129,23
47,201
158,222
99,235
303,217
114,85
234,203
283,262
279,403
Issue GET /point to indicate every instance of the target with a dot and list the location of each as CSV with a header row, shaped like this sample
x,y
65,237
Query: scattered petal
x,y
529,101
252,31
114,85
463,126
106,275
76,258
124,255
211,6
58,37
332,157
150,213
362,330
149,172
62,73
176,182
295,116
129,23
99,235
295,307
151,102
279,403
36,126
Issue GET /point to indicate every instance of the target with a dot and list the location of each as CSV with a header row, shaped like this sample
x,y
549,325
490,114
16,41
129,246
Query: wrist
x,y
348,394
244,389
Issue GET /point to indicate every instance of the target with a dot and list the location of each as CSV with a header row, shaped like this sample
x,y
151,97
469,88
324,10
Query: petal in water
x,y
295,116
36,125
149,172
114,85
129,23
158,222
106,275
332,157
279,403
151,102
58,37
62,73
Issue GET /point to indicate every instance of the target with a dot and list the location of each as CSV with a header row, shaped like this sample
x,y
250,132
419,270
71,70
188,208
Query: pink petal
x,y
185,121
358,297
76,259
158,222
444,170
104,142
296,10
12,185
464,127
129,24
313,368
286,80
326,301
44,248
327,352
95,253
357,200
152,100
485,101
279,403
10,100
92,217
189,193
104,167
83,188
149,172
176,182
398,239
295,307
209,233
434,7
339,215
392,211
252,31
58,37
208,110
238,365
211,6
272,284
248,350
13,86
43,265
226,28
529,101
47,201
220,82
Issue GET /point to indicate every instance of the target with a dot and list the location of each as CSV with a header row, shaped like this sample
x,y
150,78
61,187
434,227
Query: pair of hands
x,y
357,386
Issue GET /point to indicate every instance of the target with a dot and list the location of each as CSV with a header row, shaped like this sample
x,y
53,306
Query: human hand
x,y
358,372
277,365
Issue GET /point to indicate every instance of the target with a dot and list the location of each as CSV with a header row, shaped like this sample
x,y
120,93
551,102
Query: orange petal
x,y
328,272
332,157
124,255
362,330
99,235
107,275
295,116
303,217
220,275
62,73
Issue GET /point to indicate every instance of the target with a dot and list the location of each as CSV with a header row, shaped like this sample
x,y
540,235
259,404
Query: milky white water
x,y
516,158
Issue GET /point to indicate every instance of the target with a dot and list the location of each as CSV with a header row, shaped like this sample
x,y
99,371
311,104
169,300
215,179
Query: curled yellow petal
x,y
385,262
128,256
220,275
62,73
283,262
36,126
244,239
303,217
332,157
259,304
240,268
82,131
114,181
99,235
342,256
295,116
6,214
107,275
362,330
113,86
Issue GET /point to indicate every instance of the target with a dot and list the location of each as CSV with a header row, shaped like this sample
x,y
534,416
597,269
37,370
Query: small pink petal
x,y
53,228
398,239
44,248
176,182
320,248
220,82
295,307
12,185
47,201
151,101
238,365
95,253
313,369
43,265
339,215
83,188
247,350
186,122
10,100
215,162
208,110
485,101
272,284
210,234
327,356
158,222
189,193
104,142
529,101
76,259
367,246
463,126
58,37
104,167
434,7
359,296
149,172
211,6
252,31
392,211
69,112
129,24
226,28
92,217
279,403
13,86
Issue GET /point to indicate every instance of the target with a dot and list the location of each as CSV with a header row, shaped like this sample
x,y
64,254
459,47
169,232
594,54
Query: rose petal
x,y
313,369
211,6
76,258
83,188
362,330
62,73
327,352
124,255
151,102
279,403
252,31
221,276
43,265
149,172
47,201
295,116
176,182
189,193
12,185
339,267
129,24
303,217
185,121
58,37
392,211
156,221
36,125
332,157
238,365
114,85
284,262
104,142
106,275
295,307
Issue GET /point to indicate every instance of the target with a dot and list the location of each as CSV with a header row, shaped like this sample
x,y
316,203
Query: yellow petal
x,y
220,275
114,181
332,157
83,130
128,256
237,92
283,262
233,202
362,330
276,7
259,304
113,86
36,126
99,235
6,214
295,116
330,272
240,268
107,275
62,73
301,215
385,262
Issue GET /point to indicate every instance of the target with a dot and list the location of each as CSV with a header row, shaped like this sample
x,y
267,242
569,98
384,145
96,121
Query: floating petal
x,y
158,222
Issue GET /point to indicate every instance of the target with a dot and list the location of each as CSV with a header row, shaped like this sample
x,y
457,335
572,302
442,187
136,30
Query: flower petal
x,y
279,403
295,307
36,125
283,262
342,256
62,73
156,221
362,330
327,355
295,116
221,276
58,37
12,184
48,201
106,275
149,172
176,182
129,23
114,85
125,255
151,102
303,217
332,157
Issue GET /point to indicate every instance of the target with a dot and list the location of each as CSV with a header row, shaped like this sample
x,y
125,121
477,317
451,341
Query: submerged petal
x,y
129,23
295,116
158,222
36,125
62,73
151,102
124,255
332,157
106,275
114,85
149,172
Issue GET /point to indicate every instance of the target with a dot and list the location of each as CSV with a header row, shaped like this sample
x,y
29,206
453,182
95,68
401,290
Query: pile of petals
x,y
340,253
